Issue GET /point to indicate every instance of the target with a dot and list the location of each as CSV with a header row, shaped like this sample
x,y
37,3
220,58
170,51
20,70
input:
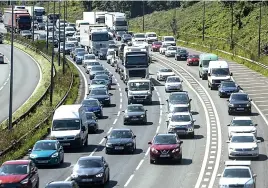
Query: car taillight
x,y
154,150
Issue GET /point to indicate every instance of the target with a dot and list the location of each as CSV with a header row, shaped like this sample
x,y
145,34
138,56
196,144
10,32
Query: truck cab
x,y
139,91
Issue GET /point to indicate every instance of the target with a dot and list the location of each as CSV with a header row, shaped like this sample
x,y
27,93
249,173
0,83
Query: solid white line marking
x,y
102,140
129,179
115,79
92,153
118,84
111,128
1,88
157,129
68,179
121,100
115,121
139,165
147,152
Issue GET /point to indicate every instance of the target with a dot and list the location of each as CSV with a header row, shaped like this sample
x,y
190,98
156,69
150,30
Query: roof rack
x,y
237,163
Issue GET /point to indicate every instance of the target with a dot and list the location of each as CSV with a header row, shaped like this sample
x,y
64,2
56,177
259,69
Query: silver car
x,y
171,51
93,71
91,63
97,83
173,83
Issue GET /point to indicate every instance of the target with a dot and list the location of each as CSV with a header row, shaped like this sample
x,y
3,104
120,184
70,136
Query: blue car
x,y
102,95
79,56
47,152
93,105
92,122
226,88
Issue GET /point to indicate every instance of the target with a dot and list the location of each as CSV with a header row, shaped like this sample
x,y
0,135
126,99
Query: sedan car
x,y
165,147
47,152
181,55
88,57
226,88
104,77
135,113
26,34
106,72
91,170
171,51
102,95
162,74
72,40
92,122
178,108
62,184
54,43
173,83
179,98
243,145
68,47
242,125
119,34
93,71
75,50
181,123
193,60
79,56
41,26
163,48
156,46
239,102
98,83
19,173
120,140
89,64
103,53
126,38
93,105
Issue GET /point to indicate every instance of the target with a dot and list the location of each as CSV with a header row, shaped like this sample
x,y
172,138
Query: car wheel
x,y
86,142
108,179
230,113
152,161
107,152
192,135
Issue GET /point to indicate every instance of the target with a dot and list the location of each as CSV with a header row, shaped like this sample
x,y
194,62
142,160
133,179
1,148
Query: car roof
x,y
243,134
123,129
90,99
180,93
173,77
242,118
168,36
100,76
39,141
17,162
139,80
180,105
134,105
100,88
166,134
90,55
181,113
90,157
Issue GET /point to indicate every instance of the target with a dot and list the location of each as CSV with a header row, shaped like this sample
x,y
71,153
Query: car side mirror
x,y
256,124
150,143
231,74
29,150
209,74
194,120
250,99
134,136
110,94
228,141
126,89
228,125
167,100
254,175
83,128
106,137
152,88
190,100
48,130
181,142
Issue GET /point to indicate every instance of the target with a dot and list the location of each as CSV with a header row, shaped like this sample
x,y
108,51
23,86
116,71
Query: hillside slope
x,y
217,25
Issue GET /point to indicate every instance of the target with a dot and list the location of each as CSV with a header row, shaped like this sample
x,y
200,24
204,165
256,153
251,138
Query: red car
x,y
165,147
193,60
156,46
19,174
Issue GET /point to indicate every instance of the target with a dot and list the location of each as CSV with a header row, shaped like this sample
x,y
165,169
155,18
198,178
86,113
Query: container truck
x,y
94,17
22,20
116,21
37,13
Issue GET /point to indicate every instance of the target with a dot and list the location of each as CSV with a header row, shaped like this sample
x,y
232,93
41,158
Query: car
x,y
92,122
178,98
139,37
237,174
104,77
71,25
88,57
113,46
62,184
89,64
47,152
163,73
151,37
69,31
135,113
72,40
19,173
165,147
75,51
173,83
98,83
102,95
156,46
42,37
193,59
93,105
242,125
120,140
243,145
26,34
169,40
163,48
239,103
171,51
50,41
41,26
126,38
181,123
226,88
93,71
110,75
2,59
79,56
178,108
49,27
181,55
119,34
109,55
103,53
91,170
111,42
68,47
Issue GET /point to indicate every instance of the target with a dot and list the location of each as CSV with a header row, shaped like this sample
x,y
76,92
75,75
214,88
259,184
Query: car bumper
x,y
181,57
244,154
71,143
170,156
226,93
169,55
193,63
46,161
174,88
134,119
145,99
181,132
122,149
89,181
239,109
155,49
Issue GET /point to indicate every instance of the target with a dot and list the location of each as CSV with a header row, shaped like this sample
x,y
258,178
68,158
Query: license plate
x,y
164,155
86,180
181,131
135,119
139,100
42,161
119,147
240,108
65,144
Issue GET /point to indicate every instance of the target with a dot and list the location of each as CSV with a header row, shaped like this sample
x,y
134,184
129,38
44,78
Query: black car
x,y
102,54
226,88
62,184
126,38
176,98
102,95
91,170
181,54
120,140
92,122
239,102
135,113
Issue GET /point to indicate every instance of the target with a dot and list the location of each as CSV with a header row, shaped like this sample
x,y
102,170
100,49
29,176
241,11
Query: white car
x,y
140,44
163,48
178,108
173,83
169,40
139,37
171,51
110,54
151,37
162,74
181,123
242,125
88,57
91,63
243,145
238,174
69,31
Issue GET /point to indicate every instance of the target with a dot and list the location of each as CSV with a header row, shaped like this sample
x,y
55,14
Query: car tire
x,y
220,95
86,142
152,161
192,135
230,113
107,152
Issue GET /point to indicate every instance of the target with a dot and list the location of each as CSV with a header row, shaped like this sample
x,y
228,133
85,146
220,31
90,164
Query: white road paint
x,y
102,140
115,121
139,165
129,180
110,130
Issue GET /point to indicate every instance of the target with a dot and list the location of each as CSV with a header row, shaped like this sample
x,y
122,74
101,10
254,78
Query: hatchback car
x,y
120,140
103,53
156,46
104,77
62,184
171,51
135,113
226,88
165,147
163,48
93,70
193,60
178,108
79,56
242,125
88,57
97,83
181,54
239,103
93,105
102,95
75,51
173,83
92,122
47,152
91,170
179,98
126,38
162,74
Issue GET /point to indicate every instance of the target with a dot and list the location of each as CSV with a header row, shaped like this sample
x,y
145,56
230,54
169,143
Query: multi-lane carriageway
x,y
203,157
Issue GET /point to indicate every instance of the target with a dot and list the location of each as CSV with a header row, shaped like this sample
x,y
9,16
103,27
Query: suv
x,y
179,98
239,102
139,91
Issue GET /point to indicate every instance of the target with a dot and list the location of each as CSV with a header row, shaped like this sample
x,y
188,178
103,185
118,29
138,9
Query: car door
x,y
133,138
33,174
106,167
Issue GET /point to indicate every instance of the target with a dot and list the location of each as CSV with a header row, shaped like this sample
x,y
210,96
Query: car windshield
x,y
169,39
90,116
89,163
172,48
90,103
205,63
69,29
44,146
82,53
135,108
14,169
121,134
70,45
151,35
242,123
79,49
111,53
239,139
70,124
98,92
139,36
97,81
240,97
101,77
97,68
157,43
228,84
139,86
127,36
220,72
193,56
72,39
236,173
182,51
93,63
166,70
165,139
173,79
89,57
179,109
180,118
181,98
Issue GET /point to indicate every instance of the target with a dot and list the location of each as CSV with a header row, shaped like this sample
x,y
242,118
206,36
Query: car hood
x,y
99,96
134,113
242,129
173,83
165,146
243,145
238,102
171,51
43,153
167,73
96,86
92,108
183,124
178,102
88,171
119,140
94,72
64,133
227,181
170,42
228,88
12,178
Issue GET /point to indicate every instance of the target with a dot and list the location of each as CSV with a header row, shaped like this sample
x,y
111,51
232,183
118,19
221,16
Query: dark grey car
x,y
135,113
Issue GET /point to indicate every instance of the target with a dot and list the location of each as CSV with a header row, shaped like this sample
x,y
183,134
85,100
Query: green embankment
x,y
217,29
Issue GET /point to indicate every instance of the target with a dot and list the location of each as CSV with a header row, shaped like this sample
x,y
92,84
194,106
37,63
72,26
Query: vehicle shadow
x,y
112,89
137,152
111,106
156,82
194,113
104,117
243,114
100,131
63,165
196,137
133,124
184,161
154,103
260,138
196,126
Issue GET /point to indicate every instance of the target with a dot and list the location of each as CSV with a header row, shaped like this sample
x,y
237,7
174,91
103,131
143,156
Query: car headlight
x,y
231,149
77,136
249,104
107,99
55,154
33,155
190,129
109,145
126,116
175,150
25,181
74,175
129,144
255,148
142,116
154,150
231,105
99,175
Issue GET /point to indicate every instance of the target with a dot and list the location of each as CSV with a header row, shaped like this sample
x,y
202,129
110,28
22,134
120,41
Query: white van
x,y
69,126
218,71
169,40
151,37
